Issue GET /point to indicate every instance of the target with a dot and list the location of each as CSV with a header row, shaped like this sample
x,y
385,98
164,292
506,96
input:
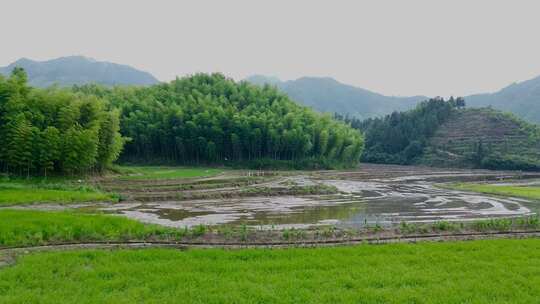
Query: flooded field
x,y
373,195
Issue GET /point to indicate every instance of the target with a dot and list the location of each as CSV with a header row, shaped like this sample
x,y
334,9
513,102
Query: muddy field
x,y
373,195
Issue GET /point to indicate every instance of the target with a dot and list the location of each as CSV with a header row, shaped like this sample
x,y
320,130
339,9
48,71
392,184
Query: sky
x,y
413,47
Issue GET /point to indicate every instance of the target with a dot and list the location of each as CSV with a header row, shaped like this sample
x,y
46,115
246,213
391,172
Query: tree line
x,y
54,130
212,119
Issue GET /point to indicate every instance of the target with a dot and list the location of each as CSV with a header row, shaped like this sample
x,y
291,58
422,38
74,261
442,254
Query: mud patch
x,y
360,204
6,259
373,195
276,212
394,202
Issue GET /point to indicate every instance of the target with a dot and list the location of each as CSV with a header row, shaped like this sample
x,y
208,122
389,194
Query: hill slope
x,y
522,99
483,137
445,134
328,95
67,71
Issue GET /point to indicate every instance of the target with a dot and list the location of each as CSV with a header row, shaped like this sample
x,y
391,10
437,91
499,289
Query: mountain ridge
x,y
519,98
78,70
326,94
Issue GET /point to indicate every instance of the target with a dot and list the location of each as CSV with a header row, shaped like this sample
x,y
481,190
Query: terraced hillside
x,y
480,137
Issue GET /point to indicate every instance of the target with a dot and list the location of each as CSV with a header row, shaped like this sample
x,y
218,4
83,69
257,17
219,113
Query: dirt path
x,y
7,255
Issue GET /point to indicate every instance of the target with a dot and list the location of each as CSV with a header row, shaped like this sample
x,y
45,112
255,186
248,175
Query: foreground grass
x,y
28,228
517,191
16,193
138,172
499,271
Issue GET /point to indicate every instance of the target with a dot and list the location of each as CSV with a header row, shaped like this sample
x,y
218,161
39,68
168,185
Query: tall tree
x,y
42,131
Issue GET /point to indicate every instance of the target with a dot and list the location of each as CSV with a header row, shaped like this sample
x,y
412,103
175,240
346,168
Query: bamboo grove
x,y
201,119
212,119
53,130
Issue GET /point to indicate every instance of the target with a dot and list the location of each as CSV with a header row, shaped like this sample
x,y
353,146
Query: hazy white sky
x,y
396,47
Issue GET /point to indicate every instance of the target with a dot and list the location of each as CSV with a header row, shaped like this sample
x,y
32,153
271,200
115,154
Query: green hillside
x,y
484,137
445,134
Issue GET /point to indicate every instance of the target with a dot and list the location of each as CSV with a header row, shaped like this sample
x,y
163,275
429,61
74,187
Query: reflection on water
x,y
361,203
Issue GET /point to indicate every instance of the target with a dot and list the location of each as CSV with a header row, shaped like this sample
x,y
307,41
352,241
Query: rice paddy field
x,y
502,271
53,190
204,207
25,195
531,192
32,228
162,172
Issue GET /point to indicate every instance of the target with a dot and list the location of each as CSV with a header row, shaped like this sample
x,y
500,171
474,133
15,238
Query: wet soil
x,y
382,195
8,255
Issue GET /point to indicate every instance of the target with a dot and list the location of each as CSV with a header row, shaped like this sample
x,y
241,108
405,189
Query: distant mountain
x,y
67,71
522,99
328,95
262,80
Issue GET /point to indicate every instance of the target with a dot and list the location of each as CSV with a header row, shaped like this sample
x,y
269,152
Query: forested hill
x,y
522,99
485,138
67,71
328,95
212,119
445,133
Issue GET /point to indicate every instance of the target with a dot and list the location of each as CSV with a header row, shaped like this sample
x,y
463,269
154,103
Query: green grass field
x,y
517,191
498,271
141,172
26,228
16,193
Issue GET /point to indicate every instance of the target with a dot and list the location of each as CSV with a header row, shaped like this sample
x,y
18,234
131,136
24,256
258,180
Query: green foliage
x,y
54,130
497,161
400,138
493,225
212,119
480,272
198,230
